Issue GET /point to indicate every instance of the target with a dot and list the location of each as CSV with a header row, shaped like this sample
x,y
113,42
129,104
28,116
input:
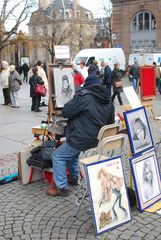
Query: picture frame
x,y
108,195
147,181
63,84
138,130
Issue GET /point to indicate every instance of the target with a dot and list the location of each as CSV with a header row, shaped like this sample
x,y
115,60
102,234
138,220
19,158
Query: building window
x,y
143,21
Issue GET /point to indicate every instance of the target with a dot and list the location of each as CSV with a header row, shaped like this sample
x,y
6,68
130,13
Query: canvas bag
x,y
41,90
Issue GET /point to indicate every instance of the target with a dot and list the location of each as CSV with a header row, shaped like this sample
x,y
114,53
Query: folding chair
x,y
106,145
105,131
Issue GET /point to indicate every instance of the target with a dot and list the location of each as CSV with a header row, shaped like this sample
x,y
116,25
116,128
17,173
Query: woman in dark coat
x,y
116,77
33,81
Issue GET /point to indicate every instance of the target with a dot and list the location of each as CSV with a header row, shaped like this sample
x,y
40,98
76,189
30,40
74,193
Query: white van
x,y
109,55
145,58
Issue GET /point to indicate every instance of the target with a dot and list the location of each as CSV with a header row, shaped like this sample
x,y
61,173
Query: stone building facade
x,y
136,25
60,23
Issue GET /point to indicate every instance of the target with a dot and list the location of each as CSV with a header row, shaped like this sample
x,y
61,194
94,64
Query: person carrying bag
x,y
34,81
117,83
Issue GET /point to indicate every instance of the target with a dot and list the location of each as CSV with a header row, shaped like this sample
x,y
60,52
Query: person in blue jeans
x,y
135,74
87,112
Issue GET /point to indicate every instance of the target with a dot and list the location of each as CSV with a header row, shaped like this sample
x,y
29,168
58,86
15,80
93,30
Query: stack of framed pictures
x,y
144,164
108,194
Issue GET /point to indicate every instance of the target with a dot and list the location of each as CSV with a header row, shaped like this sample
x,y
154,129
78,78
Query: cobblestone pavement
x,y
26,212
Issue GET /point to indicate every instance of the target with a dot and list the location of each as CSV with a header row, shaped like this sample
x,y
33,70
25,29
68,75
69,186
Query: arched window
x,y
143,21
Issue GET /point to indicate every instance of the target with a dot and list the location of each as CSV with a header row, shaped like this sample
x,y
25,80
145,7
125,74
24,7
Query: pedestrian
x,y
25,69
14,86
102,70
5,82
107,78
18,68
95,63
42,74
83,69
78,79
157,76
33,81
87,112
92,77
117,83
135,74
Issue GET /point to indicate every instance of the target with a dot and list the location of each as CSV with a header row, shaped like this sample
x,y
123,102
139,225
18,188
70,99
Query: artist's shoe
x,y
72,181
57,192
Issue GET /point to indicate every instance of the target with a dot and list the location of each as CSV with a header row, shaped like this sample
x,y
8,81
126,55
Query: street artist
x,y
87,112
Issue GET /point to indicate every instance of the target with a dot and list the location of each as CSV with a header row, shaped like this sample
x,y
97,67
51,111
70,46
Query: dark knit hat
x,y
91,80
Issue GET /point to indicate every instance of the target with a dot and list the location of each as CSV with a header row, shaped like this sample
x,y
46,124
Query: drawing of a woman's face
x,y
147,173
139,129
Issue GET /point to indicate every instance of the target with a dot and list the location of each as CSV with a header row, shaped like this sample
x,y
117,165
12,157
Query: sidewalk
x,y
26,212
16,123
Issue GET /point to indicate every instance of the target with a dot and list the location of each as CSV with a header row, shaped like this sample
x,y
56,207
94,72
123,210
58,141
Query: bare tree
x,y
60,33
106,10
12,14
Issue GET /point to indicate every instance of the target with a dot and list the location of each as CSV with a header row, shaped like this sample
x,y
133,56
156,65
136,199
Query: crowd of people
x,y
13,76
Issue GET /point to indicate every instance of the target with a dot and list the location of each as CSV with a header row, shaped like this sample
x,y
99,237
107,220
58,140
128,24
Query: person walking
x,y
83,69
92,77
87,112
157,76
95,63
14,86
117,83
5,82
42,74
78,79
135,74
25,69
106,81
33,81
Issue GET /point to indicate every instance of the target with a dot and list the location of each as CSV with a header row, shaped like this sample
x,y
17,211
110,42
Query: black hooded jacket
x,y
87,112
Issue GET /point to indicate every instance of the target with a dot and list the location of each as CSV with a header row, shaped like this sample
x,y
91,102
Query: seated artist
x,y
87,112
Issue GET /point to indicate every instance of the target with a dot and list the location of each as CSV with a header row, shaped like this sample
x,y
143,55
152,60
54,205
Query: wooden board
x,y
24,169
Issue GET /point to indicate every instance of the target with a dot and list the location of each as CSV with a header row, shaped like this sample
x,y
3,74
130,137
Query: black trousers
x,y
6,95
118,96
35,103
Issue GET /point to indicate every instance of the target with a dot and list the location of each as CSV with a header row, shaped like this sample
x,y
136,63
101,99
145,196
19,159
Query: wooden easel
x,y
148,104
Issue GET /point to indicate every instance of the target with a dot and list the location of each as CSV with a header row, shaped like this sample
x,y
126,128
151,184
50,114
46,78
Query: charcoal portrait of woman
x,y
140,137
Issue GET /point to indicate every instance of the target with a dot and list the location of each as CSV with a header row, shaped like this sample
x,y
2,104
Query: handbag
x,y
41,90
118,84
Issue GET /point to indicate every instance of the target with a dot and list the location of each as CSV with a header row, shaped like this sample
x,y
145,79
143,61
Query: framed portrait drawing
x,y
63,84
138,130
108,194
146,175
